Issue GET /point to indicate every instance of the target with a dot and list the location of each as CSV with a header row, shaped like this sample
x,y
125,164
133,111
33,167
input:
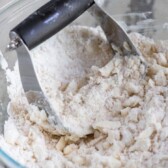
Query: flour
x,y
94,92
64,81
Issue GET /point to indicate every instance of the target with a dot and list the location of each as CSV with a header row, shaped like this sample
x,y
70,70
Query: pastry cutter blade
x,y
41,25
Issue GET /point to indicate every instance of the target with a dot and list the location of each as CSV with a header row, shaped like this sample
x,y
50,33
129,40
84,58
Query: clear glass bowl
x,y
148,17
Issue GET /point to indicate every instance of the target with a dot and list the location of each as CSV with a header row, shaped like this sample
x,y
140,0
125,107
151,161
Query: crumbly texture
x,y
123,105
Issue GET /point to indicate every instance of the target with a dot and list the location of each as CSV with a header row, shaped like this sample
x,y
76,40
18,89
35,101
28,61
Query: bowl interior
x,y
148,17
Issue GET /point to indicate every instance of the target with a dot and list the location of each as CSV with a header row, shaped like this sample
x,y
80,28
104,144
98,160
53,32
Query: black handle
x,y
49,19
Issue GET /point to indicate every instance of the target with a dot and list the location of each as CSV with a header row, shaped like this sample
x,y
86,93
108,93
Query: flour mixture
x,y
95,92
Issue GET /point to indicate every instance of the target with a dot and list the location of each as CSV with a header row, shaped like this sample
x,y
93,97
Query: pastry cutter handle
x,y
48,20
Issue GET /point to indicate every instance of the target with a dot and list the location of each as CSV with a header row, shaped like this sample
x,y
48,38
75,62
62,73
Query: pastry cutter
x,y
46,22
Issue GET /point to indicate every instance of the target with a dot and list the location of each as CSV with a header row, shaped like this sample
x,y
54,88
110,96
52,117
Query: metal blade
x,y
32,89
113,31
26,68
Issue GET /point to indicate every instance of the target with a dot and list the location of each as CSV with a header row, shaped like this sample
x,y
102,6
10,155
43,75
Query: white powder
x,y
110,97
70,56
